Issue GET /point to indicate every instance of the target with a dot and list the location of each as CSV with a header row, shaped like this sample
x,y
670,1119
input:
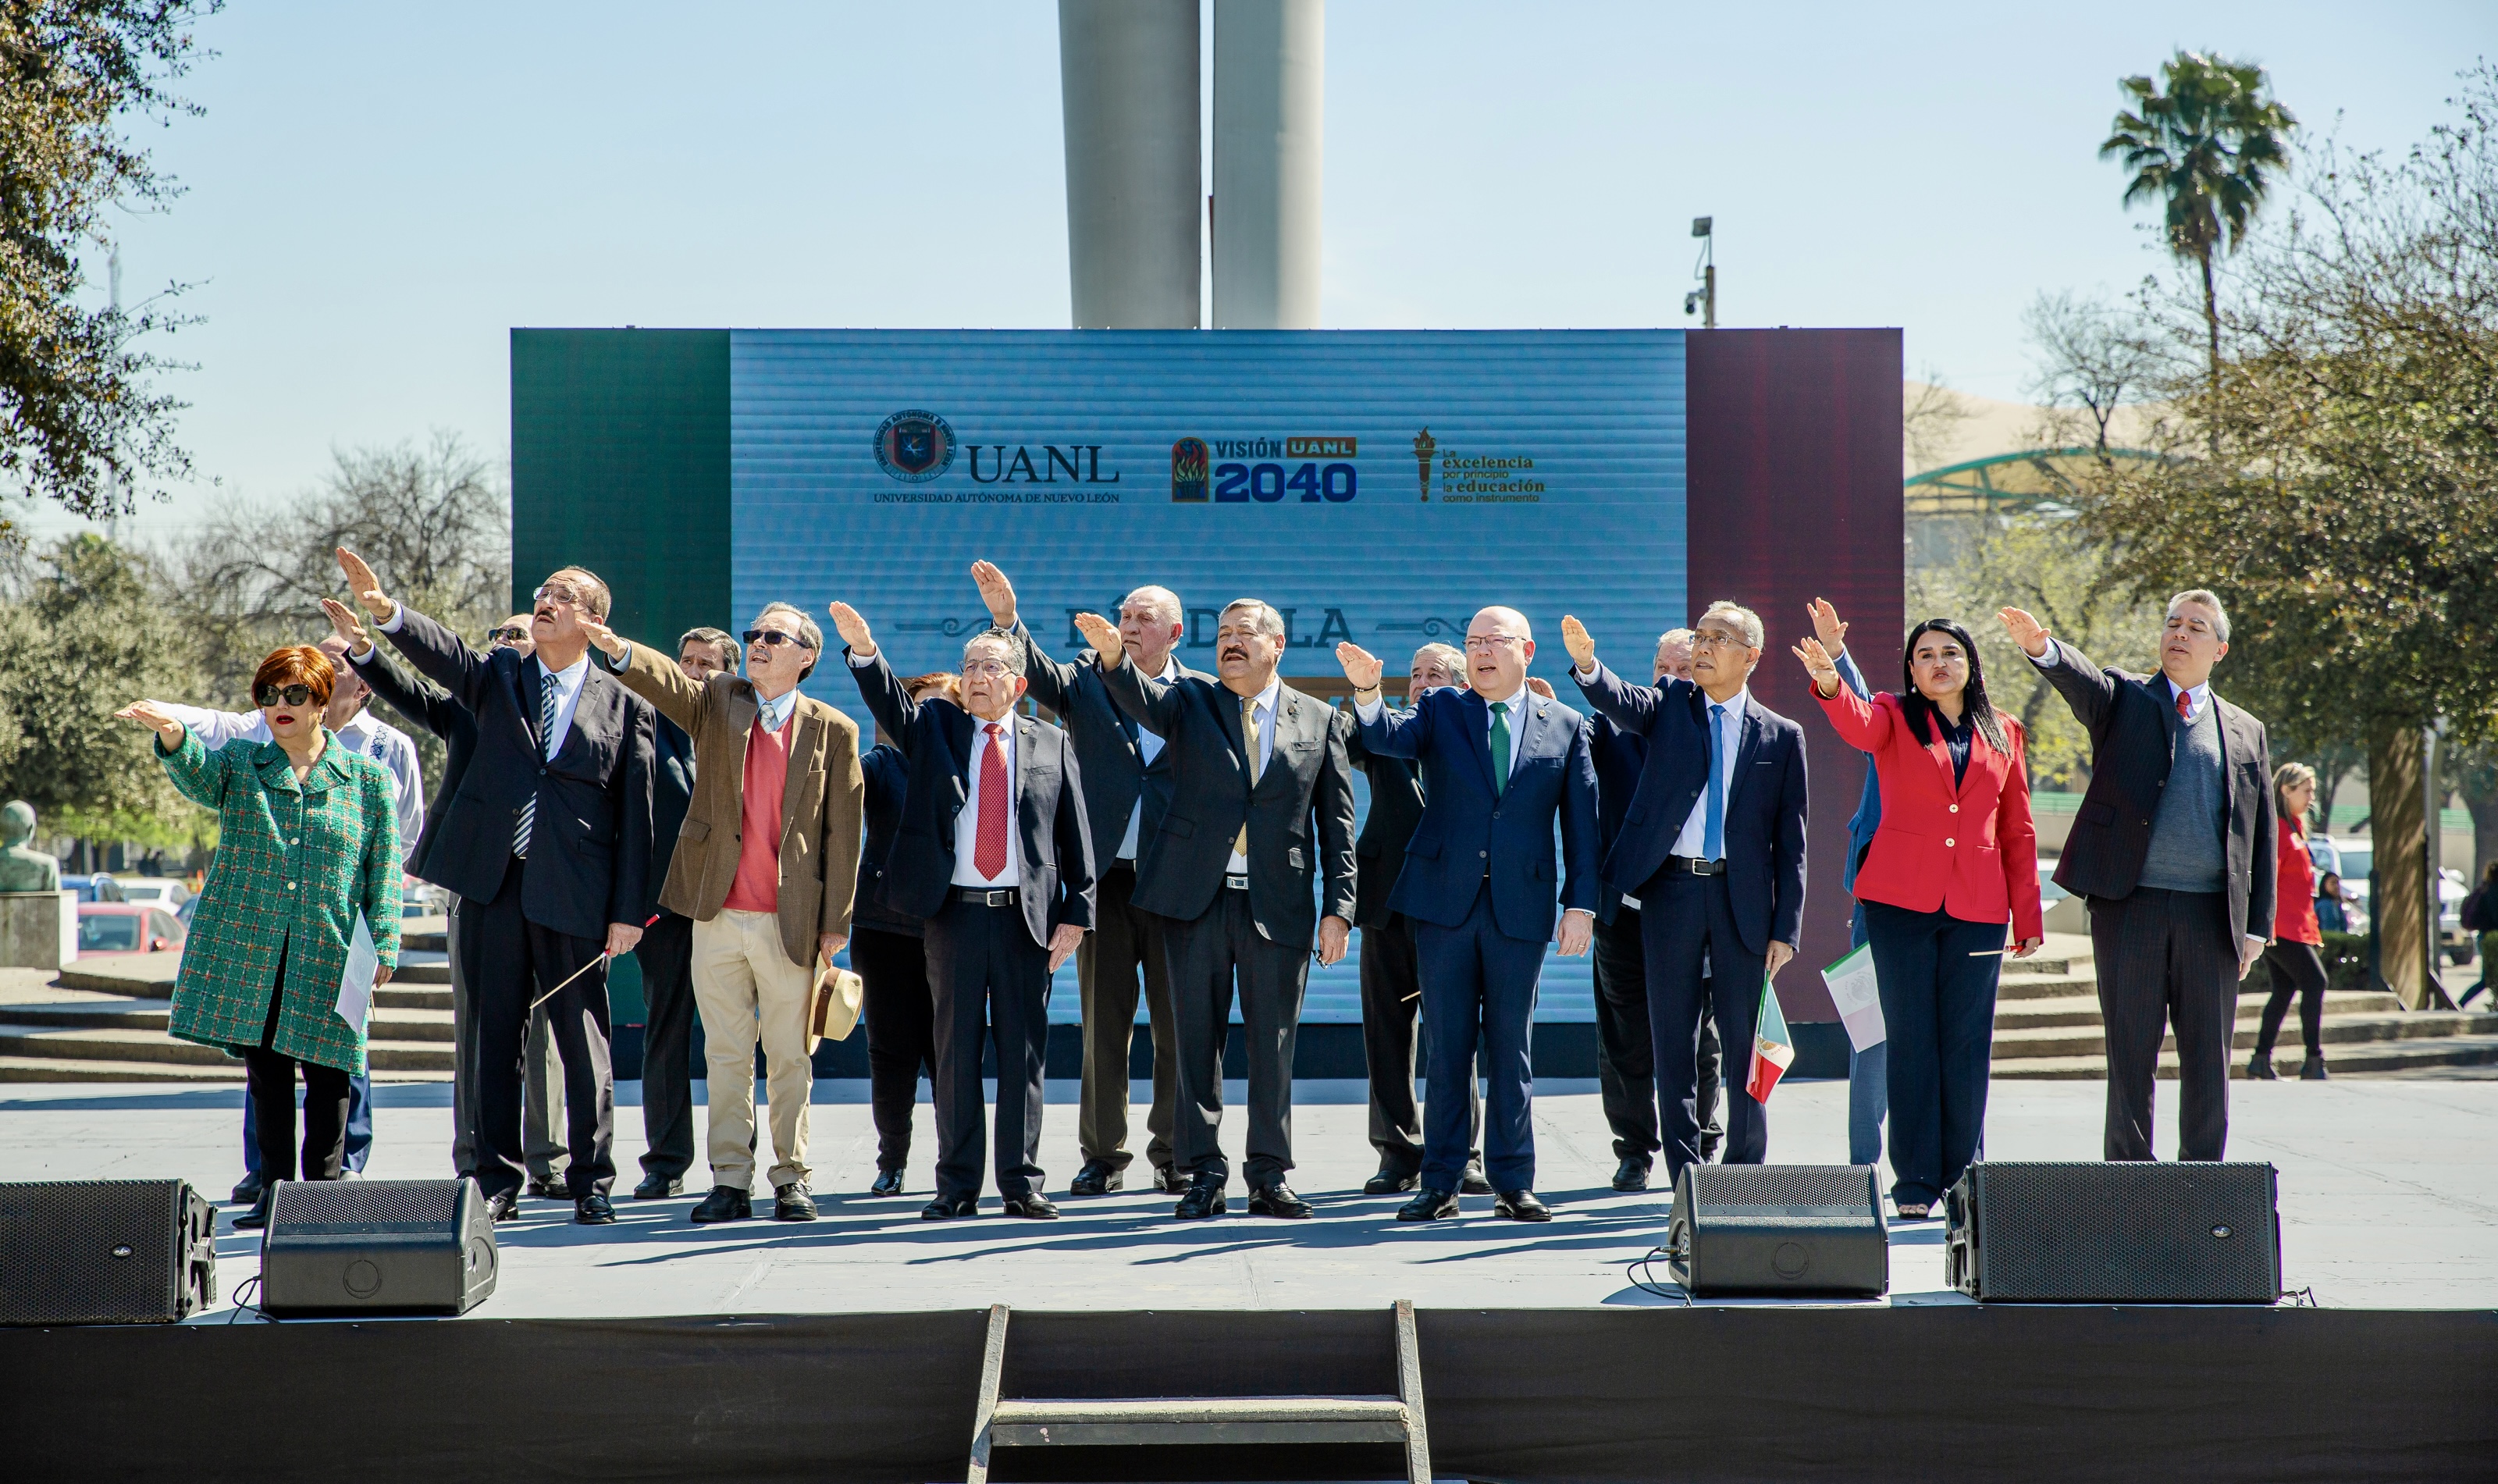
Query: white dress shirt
x,y
967,824
1368,711
1149,748
364,733
1265,701
1693,841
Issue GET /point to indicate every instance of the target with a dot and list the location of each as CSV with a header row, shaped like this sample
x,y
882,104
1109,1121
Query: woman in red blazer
x,y
1955,858
2297,952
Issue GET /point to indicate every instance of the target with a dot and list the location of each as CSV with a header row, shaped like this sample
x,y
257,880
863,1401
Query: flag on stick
x,y
1773,1046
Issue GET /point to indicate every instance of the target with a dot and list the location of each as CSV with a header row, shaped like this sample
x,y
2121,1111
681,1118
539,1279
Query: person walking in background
x,y
2173,851
307,844
2293,955
2481,916
349,716
552,856
1869,1073
1956,855
888,949
1126,787
766,867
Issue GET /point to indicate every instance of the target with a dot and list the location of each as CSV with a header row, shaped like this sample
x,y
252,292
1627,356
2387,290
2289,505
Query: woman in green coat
x,y
308,842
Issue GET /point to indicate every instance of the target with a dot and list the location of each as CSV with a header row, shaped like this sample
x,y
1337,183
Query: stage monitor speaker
x,y
376,1247
104,1252
1780,1230
2103,1233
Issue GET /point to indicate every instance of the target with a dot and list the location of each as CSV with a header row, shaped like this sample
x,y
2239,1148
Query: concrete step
x,y
2015,1046
394,1025
142,976
2075,1010
117,1043
432,934
398,994
45,1069
2352,1059
2045,987
422,973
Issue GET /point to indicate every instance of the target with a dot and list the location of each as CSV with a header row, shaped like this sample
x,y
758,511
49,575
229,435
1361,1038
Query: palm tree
x,y
2207,147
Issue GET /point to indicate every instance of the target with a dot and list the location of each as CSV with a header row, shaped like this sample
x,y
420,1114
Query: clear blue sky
x,y
377,195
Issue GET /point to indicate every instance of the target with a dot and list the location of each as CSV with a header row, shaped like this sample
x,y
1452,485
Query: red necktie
x,y
2185,707
989,856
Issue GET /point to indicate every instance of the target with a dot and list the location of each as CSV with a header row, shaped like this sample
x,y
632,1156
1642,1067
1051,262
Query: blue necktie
x,y
1712,841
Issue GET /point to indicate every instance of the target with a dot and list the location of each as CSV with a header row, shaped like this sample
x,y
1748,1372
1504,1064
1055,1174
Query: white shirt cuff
x,y
1369,710
396,620
857,660
1584,676
2255,943
2044,661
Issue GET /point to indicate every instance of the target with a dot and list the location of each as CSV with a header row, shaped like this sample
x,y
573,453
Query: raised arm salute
x,y
2173,850
1261,811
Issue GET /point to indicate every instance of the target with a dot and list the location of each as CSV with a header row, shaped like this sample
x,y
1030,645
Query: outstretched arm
x,y
650,675
198,774
1380,731
891,706
1153,704
438,654
2087,688
420,700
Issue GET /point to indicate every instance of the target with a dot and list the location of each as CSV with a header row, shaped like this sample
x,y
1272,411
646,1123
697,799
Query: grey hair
x,y
1674,635
808,633
2209,599
1005,640
1445,654
723,643
1269,620
1745,619
1160,602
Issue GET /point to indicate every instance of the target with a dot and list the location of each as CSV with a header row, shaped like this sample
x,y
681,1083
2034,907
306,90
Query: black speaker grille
x,y
2140,1232
1732,1187
365,1205
102,1252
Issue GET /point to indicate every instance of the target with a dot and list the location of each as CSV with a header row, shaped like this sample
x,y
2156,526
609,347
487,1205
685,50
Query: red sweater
x,y
757,887
2293,917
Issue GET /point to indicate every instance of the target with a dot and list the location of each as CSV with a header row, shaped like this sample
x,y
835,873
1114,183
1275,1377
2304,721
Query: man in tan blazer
x,y
770,764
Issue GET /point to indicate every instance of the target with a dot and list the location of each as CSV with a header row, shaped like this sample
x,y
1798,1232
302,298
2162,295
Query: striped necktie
x,y
1249,736
546,725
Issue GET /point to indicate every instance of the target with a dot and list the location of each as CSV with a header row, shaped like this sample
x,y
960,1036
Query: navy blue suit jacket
x,y
1620,757
1765,811
1466,832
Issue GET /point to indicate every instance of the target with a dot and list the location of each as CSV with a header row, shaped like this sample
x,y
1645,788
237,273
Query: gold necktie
x,y
1248,735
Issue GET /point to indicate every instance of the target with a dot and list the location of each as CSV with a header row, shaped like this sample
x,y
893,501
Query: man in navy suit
x,y
1499,766
1714,849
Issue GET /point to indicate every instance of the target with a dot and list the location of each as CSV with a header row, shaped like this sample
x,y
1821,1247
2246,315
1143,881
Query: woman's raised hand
x,y
1817,664
155,718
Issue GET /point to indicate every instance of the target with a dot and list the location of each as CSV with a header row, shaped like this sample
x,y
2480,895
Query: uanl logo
x,y
914,446
1319,470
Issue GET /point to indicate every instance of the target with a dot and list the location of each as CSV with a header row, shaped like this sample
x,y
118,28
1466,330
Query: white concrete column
x,y
1128,92
1270,128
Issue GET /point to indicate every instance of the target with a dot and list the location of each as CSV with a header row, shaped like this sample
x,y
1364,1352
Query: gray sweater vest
x,y
2187,853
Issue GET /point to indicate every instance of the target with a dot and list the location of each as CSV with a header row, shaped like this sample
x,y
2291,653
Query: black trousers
x,y
901,1034
1686,923
2166,959
269,1080
1938,990
1125,943
1626,1051
987,980
666,955
2297,970
1205,956
510,961
1392,1011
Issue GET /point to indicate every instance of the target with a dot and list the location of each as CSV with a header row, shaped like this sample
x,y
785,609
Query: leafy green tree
x,y
2205,149
78,422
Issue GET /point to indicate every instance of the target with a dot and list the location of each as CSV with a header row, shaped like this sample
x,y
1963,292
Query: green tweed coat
x,y
294,865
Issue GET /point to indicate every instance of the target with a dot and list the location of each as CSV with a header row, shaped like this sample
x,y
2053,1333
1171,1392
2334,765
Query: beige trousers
x,y
744,985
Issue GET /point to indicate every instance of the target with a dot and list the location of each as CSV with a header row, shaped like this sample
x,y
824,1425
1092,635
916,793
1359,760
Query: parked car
x,y
109,928
164,890
2354,858
99,887
2063,911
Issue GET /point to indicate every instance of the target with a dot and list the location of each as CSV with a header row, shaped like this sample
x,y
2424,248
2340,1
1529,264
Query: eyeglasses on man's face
x,y
996,667
1485,643
774,637
555,593
1714,638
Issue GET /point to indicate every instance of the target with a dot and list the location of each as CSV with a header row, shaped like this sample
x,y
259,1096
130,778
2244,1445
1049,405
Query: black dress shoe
x,y
246,1191
1277,1200
1390,1181
548,1187
1521,1206
948,1207
658,1187
2259,1068
1035,1207
889,1183
1429,1205
1099,1176
793,1202
725,1203
1169,1181
1631,1175
1205,1199
255,1218
503,1207
1474,1183
592,1209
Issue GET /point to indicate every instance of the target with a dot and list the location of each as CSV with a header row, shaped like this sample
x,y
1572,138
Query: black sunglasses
x,y
774,636
292,695
509,634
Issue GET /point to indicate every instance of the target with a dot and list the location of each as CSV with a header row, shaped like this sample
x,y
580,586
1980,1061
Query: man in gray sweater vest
x,y
2173,851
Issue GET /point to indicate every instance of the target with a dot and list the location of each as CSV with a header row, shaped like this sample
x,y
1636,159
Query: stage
x,y
848,1348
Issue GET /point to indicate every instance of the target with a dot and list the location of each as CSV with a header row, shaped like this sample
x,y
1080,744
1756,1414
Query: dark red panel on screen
x,y
1794,469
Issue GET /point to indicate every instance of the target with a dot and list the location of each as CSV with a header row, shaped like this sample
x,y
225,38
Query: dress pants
x,y
542,1092
2166,959
988,980
746,990
1937,979
1684,920
666,953
1626,1055
359,1143
510,961
901,1034
1392,1010
1478,988
2297,972
1868,1081
1204,955
463,1053
1123,942
270,1084
542,1102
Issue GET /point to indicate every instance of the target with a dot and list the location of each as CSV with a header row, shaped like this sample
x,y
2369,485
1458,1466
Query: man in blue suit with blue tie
x,y
1499,766
1714,849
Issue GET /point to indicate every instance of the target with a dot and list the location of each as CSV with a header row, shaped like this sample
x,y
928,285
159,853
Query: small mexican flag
x,y
1773,1046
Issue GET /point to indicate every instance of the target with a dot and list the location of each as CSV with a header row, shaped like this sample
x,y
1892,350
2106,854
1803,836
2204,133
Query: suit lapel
x,y
1478,719
803,745
531,687
1748,744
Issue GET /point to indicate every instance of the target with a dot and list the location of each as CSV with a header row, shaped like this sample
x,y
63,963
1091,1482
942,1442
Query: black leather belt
x,y
1239,883
977,897
1691,865
1124,863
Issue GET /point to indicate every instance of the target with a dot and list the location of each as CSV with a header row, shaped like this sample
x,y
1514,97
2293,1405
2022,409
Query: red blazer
x,y
1970,850
2294,904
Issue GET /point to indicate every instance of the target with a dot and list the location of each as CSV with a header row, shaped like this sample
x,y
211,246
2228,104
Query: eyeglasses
x,y
509,634
1483,643
292,695
1711,640
556,592
986,667
775,637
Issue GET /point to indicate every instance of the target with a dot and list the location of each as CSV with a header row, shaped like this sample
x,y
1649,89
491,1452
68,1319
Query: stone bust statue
x,y
21,868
